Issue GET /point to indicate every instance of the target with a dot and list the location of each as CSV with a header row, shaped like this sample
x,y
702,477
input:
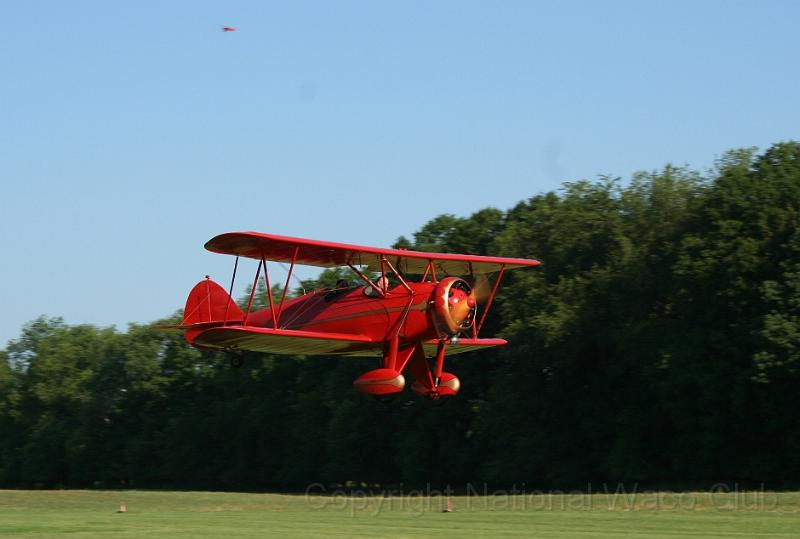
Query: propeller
x,y
481,289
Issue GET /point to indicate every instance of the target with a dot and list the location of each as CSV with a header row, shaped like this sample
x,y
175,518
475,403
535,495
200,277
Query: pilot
x,y
342,284
342,287
383,283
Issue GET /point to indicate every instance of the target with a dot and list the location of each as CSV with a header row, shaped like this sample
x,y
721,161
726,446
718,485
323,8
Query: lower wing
x,y
285,341
461,346
294,342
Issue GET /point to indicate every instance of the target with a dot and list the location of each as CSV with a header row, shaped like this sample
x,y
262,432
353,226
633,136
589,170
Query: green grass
x,y
175,515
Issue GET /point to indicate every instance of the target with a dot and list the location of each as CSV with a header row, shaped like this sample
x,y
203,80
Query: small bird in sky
x,y
228,28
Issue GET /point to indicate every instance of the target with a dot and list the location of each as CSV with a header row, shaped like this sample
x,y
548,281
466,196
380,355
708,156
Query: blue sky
x,y
132,133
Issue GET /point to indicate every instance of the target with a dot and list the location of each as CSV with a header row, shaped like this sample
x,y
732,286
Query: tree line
x,y
659,343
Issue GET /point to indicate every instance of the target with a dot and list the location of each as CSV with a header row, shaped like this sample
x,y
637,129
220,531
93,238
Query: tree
x,y
658,343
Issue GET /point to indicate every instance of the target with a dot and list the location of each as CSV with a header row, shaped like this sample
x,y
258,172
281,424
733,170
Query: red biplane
x,y
417,305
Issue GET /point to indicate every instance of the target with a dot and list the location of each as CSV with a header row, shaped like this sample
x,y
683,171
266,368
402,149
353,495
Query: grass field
x,y
93,514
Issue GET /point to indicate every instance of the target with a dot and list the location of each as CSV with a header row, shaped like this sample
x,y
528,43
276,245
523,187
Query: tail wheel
x,y
236,360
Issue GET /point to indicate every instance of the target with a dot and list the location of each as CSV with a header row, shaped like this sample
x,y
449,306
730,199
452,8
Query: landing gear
x,y
381,382
387,382
448,386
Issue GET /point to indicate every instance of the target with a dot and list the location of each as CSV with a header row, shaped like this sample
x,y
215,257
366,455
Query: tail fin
x,y
208,305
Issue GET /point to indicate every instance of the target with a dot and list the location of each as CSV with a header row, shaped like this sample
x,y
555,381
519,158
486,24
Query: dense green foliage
x,y
659,343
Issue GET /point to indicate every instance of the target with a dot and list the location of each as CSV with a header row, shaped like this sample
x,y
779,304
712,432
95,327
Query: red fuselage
x,y
351,311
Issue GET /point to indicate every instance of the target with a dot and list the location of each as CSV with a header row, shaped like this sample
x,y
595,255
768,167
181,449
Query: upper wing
x,y
328,254
286,341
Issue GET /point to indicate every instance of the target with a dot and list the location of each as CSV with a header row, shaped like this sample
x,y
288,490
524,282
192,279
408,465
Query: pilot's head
x,y
383,282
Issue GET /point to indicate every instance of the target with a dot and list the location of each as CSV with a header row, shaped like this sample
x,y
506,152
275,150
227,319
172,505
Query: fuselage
x,y
352,311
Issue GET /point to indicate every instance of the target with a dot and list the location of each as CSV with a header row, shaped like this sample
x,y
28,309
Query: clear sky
x,y
131,133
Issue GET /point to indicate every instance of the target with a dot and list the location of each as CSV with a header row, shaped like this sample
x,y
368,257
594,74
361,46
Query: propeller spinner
x,y
455,303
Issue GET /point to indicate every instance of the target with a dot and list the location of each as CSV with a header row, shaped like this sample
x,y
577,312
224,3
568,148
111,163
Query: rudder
x,y
209,304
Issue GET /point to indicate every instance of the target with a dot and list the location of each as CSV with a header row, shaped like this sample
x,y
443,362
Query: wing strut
x,y
491,298
402,320
269,293
367,280
286,286
252,293
230,291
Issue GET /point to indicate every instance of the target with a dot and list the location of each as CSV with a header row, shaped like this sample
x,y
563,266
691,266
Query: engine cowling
x,y
454,306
